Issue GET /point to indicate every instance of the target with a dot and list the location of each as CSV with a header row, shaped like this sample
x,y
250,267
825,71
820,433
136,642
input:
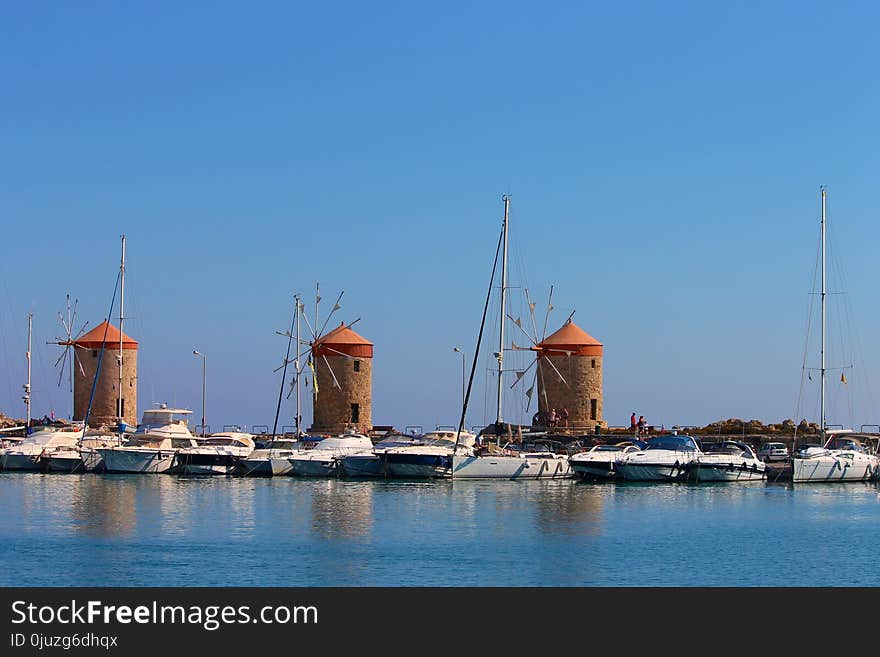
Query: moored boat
x,y
665,458
729,460
320,460
843,457
153,447
219,453
601,461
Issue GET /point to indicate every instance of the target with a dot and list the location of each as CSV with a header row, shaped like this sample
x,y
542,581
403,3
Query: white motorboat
x,y
27,454
601,461
369,463
432,458
270,460
219,453
665,458
538,463
152,449
728,460
320,460
81,457
843,457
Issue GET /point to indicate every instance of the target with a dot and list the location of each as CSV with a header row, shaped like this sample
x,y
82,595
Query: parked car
x,y
773,452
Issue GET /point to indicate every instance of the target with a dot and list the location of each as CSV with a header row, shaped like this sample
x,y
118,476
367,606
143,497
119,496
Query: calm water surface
x,y
161,530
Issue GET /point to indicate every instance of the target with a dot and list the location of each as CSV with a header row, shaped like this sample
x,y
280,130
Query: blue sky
x,y
663,159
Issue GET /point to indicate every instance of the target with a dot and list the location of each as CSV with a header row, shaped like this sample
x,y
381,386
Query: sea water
x,y
164,530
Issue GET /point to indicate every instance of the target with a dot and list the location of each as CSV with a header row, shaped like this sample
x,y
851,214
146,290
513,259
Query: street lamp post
x,y
459,350
204,384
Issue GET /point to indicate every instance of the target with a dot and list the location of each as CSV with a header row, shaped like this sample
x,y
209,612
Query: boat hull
x,y
361,466
205,464
830,468
137,461
87,460
593,469
726,472
21,462
652,471
416,466
509,467
312,467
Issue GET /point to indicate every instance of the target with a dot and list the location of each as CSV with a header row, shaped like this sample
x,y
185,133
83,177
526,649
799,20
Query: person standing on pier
x,y
643,426
632,423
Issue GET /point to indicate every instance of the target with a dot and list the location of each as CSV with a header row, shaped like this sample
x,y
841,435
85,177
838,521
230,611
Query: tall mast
x,y
70,320
822,365
27,386
499,418
296,365
119,414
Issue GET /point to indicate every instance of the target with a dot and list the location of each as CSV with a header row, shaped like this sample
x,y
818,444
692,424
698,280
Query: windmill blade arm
x,y
335,381
325,347
558,373
521,374
336,307
524,332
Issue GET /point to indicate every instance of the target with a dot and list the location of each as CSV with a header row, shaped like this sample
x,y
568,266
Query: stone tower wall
x,y
584,384
104,404
332,409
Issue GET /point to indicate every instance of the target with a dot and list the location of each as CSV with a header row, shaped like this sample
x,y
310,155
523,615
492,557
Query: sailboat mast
x,y
822,364
119,413
504,228
27,386
296,365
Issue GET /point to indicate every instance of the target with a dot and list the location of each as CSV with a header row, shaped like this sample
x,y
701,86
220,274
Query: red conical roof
x,y
571,338
107,334
343,341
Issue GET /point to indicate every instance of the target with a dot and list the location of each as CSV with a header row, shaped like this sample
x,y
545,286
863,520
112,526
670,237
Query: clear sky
x,y
663,158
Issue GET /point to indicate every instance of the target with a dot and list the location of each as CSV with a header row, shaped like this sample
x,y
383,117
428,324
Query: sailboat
x,y
85,455
843,456
27,453
506,463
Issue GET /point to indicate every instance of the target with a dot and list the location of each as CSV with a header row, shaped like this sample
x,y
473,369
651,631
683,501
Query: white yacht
x,y
270,460
529,463
219,453
601,462
162,432
320,460
27,454
432,458
81,457
729,460
369,463
843,457
665,458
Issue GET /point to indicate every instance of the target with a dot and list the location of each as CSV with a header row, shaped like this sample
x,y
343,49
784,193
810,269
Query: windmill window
x,y
593,363
355,413
357,366
594,409
94,353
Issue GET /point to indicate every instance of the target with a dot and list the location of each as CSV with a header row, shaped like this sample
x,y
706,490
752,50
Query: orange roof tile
x,y
106,333
342,335
572,338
